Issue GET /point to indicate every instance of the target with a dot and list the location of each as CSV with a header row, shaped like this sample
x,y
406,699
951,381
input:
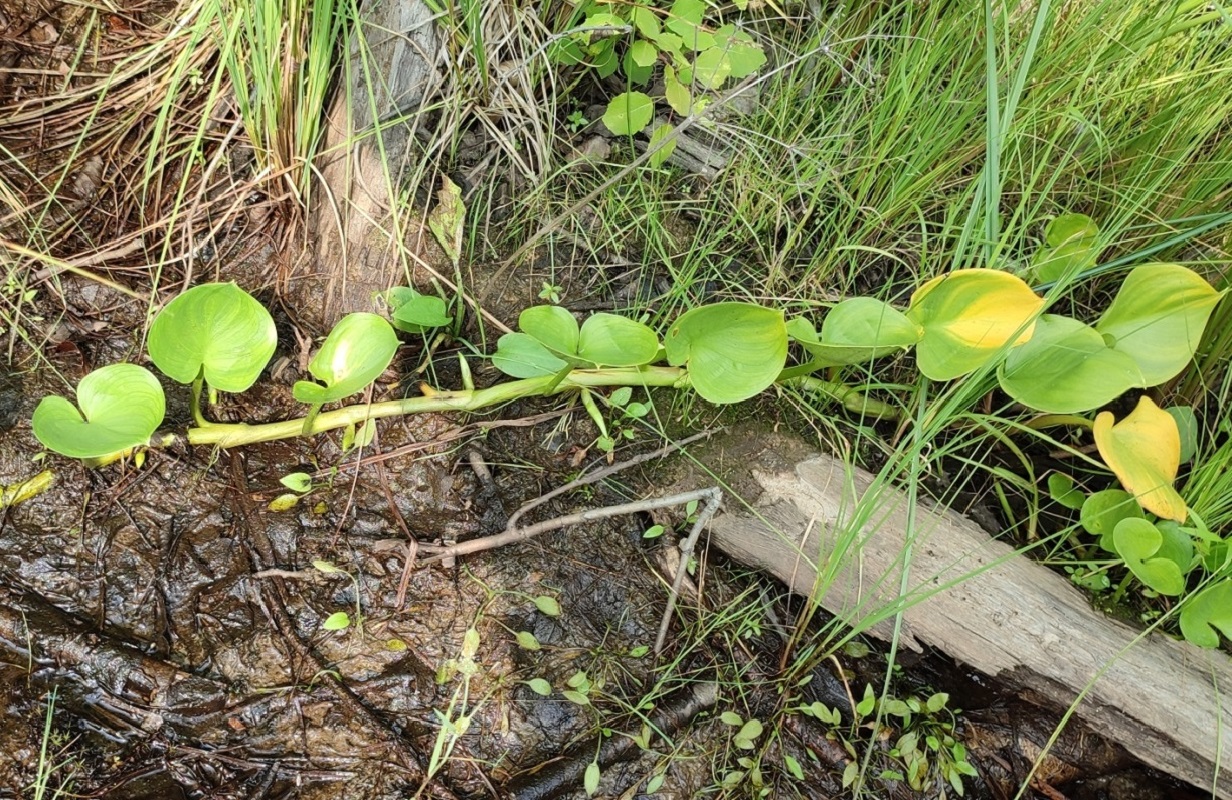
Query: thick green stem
x,y
851,399
1058,420
220,435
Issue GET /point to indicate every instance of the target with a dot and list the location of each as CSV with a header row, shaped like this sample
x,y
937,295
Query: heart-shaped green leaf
x,y
968,315
628,113
121,407
610,340
553,327
1144,452
1066,367
1061,489
1157,318
1102,511
413,312
521,356
733,350
1177,545
855,331
1207,614
1138,542
355,353
215,327
1071,246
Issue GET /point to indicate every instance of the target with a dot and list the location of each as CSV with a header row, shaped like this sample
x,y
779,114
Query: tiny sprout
x,y
337,621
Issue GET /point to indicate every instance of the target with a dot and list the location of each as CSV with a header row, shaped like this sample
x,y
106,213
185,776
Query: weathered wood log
x,y
360,230
974,599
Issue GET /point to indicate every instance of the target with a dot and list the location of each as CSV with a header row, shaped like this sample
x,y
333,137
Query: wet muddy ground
x,y
181,625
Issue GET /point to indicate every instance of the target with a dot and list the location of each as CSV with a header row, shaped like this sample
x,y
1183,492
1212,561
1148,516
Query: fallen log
x,y
972,598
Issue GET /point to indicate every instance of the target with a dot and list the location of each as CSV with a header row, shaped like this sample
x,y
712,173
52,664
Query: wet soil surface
x,y
163,633
181,625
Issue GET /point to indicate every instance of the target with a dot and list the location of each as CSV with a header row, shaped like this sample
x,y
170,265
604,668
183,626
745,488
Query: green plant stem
x,y
198,417
1057,420
847,397
221,435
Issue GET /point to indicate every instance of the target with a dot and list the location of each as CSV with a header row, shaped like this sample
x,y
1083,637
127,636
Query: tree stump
x,y
363,242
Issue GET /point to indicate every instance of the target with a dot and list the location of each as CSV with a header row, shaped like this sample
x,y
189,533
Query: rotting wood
x,y
976,600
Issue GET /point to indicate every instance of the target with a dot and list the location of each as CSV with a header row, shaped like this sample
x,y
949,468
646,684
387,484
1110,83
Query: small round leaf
x,y
121,407
551,326
1137,541
628,113
520,356
1208,614
413,312
610,340
733,350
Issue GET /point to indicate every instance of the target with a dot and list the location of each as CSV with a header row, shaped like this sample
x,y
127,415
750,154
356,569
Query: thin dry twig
x,y
606,472
713,496
508,537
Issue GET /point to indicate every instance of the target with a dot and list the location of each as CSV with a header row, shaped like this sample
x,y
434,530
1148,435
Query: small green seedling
x,y
696,58
855,331
413,312
1071,246
300,484
340,620
551,342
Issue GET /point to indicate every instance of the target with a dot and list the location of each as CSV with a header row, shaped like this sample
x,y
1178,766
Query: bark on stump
x,y
360,232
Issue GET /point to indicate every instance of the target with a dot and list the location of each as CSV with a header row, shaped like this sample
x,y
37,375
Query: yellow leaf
x,y
968,315
1144,452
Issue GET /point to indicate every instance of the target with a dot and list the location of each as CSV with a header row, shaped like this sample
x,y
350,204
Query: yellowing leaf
x,y
1144,452
447,220
968,315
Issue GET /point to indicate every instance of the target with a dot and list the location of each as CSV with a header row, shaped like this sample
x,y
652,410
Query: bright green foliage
x,y
855,331
1070,246
1066,367
552,341
1158,556
1157,318
521,356
1061,489
628,113
355,353
968,316
1207,614
121,407
215,329
697,57
733,350
413,312
1103,511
